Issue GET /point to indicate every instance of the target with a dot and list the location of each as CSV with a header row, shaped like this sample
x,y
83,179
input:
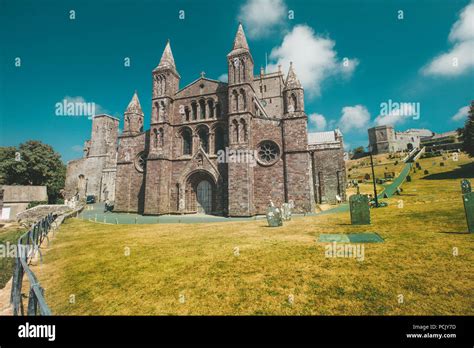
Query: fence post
x,y
32,302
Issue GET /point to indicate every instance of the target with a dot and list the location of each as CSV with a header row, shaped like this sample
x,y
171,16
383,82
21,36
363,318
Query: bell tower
x,y
295,146
241,110
165,85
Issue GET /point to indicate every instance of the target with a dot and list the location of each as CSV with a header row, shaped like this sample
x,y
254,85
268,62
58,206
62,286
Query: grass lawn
x,y
192,269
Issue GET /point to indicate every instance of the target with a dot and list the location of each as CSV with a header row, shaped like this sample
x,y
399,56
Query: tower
x,y
241,95
133,117
158,171
297,163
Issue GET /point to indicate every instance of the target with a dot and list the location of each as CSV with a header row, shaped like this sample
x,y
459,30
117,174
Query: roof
x,y
23,193
240,41
167,59
291,80
321,137
134,105
445,134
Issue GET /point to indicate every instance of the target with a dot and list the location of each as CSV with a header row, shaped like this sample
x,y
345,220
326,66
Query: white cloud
x,y
397,116
313,57
461,114
455,62
354,118
463,29
77,148
318,120
261,17
461,57
223,78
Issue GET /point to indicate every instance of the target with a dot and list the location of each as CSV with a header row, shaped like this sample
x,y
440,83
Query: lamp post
x,y
373,177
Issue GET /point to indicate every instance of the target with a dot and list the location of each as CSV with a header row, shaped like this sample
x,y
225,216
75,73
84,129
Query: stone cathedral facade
x,y
175,167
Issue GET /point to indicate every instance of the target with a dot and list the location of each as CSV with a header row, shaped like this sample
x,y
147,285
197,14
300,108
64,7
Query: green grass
x,y
416,260
8,235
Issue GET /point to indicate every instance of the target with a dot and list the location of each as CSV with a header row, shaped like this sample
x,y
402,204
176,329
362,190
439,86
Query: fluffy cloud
x,y
461,114
318,121
313,57
354,118
261,17
81,100
461,57
223,78
398,116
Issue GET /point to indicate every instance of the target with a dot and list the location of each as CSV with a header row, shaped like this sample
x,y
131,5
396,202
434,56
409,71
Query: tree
x,y
37,164
468,132
359,150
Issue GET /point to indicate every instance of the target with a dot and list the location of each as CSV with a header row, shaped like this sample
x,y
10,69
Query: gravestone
x,y
426,172
360,210
286,211
408,178
468,199
441,164
274,216
465,186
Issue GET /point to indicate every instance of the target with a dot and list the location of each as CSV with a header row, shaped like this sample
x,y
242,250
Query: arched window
x,y
210,104
242,66
243,125
186,112
204,139
156,110
235,131
243,99
162,111
155,137
219,142
194,110
293,102
218,110
161,137
187,136
163,85
235,100
202,107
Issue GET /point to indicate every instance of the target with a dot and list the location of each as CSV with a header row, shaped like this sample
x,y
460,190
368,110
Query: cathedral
x,y
175,166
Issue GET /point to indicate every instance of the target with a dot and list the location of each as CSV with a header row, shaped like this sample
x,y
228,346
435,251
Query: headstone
x,y
408,178
286,211
468,199
465,186
360,210
426,172
441,164
274,216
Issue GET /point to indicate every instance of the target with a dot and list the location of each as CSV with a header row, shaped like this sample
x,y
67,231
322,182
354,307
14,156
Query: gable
x,y
202,86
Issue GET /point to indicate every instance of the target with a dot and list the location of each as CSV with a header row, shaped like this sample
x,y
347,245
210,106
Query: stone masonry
x,y
177,166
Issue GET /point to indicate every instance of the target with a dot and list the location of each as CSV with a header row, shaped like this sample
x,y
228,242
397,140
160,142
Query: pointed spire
x,y
240,41
134,105
291,80
167,59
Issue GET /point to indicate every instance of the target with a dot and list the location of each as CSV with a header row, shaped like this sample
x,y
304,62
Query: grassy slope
x,y
8,235
198,261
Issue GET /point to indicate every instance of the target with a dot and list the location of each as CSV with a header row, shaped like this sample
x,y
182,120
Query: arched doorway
x,y
200,193
409,146
204,197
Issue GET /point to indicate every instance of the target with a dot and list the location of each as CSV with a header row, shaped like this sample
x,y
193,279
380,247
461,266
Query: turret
x,y
133,117
165,85
293,94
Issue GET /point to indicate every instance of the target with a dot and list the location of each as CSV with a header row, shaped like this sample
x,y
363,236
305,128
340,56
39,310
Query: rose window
x,y
268,152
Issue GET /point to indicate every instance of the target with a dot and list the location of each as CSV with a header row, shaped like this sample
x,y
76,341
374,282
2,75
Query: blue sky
x,y
407,60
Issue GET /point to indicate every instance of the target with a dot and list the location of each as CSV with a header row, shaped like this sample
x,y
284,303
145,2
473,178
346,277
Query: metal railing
x,y
28,248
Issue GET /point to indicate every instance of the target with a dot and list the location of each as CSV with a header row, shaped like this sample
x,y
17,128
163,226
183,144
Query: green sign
x,y
468,199
360,210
